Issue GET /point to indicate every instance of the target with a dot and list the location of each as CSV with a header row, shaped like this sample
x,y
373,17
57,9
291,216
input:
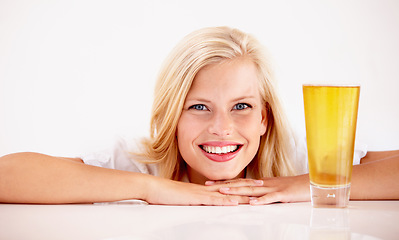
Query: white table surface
x,y
365,220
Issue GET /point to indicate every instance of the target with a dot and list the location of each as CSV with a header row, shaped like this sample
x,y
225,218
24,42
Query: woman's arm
x,y
380,155
376,178
38,178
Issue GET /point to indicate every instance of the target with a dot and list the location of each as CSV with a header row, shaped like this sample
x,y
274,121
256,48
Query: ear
x,y
265,113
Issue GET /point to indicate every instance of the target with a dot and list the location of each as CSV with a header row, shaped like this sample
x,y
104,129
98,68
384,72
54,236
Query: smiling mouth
x,y
220,150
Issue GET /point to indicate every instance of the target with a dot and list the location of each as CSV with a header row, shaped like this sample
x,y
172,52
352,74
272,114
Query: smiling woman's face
x,y
223,118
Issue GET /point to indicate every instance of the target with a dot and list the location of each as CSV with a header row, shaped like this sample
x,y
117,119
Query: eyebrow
x,y
243,98
198,100
233,100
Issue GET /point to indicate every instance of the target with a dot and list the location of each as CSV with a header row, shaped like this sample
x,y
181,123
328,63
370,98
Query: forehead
x,y
237,76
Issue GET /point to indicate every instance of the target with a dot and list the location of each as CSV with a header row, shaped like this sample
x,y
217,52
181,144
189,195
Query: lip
x,y
221,157
220,143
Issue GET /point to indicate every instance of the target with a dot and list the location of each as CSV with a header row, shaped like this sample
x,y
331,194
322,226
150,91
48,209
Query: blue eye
x,y
241,106
199,107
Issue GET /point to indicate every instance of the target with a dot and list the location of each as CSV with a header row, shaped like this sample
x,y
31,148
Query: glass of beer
x,y
330,117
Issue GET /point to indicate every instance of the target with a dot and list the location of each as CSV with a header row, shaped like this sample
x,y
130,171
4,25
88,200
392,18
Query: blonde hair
x,y
197,50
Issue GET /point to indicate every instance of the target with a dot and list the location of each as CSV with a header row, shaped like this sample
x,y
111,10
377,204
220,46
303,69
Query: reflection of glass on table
x,y
329,223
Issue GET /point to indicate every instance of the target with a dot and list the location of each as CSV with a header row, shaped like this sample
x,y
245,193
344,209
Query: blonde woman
x,y
218,137
202,50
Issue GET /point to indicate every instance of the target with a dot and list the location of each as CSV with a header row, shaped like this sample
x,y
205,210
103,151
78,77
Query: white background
x,y
76,74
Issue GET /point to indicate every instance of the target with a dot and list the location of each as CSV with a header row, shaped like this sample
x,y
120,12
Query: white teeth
x,y
220,150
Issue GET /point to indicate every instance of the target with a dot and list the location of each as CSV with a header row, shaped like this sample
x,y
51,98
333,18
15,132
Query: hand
x,y
267,190
169,192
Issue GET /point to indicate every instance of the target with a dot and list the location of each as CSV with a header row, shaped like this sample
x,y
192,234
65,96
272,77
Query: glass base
x,y
333,197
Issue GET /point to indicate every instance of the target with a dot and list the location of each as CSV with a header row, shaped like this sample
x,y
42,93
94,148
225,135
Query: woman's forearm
x,y
38,178
376,180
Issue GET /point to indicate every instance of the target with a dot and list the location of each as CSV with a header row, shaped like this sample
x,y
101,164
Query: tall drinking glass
x,y
330,117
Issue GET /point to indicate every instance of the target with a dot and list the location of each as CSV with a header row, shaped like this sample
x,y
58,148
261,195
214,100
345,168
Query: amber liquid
x,y
330,116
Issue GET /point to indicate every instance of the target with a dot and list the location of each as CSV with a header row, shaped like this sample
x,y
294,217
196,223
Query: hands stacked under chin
x,y
267,190
232,192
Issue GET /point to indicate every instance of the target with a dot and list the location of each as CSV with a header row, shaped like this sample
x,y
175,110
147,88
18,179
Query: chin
x,y
222,177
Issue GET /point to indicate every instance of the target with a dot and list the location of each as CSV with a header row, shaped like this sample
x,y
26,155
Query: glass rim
x,y
330,85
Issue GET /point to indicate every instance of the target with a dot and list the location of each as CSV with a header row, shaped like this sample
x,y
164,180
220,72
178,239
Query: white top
x,y
120,157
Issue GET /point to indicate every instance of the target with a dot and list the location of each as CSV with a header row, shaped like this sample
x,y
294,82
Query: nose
x,y
221,124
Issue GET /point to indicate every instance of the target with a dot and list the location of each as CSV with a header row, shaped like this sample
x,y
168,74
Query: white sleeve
x,y
360,152
120,158
300,155
99,159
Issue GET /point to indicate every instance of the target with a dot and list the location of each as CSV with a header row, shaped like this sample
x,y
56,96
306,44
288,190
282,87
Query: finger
x,y
271,181
239,199
266,199
236,183
221,201
232,181
224,200
212,183
250,191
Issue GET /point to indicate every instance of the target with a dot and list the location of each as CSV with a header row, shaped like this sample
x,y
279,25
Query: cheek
x,y
187,131
251,125
182,138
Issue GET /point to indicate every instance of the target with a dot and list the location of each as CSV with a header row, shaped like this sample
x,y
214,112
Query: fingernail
x,y
253,201
224,189
259,182
209,182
